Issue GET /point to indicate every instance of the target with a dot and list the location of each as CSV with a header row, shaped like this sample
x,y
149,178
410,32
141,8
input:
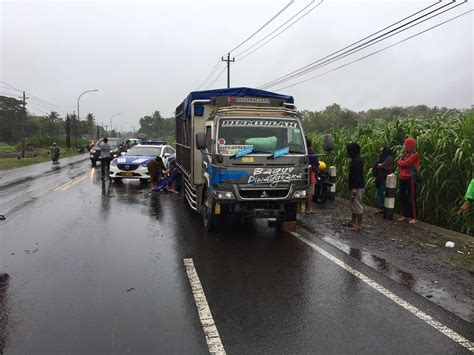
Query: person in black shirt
x,y
381,169
356,186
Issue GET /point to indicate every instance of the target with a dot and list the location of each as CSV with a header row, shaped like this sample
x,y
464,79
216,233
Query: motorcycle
x,y
55,158
322,186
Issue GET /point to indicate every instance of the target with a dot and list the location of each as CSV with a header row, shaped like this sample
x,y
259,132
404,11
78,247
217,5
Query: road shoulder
x,y
414,256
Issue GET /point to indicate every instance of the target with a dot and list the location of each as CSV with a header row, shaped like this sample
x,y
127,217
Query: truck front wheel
x,y
291,210
209,220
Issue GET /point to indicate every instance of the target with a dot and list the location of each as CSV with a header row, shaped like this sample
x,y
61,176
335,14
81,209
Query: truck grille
x,y
263,193
127,167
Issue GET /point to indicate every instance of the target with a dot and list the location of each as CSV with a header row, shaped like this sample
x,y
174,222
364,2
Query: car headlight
x,y
224,195
300,194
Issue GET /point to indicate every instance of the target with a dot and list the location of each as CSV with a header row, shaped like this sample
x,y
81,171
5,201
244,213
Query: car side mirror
x,y
200,140
167,155
328,142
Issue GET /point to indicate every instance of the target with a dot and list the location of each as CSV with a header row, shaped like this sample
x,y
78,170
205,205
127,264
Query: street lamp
x,y
111,122
78,117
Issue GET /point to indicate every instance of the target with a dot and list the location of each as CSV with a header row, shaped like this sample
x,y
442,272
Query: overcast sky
x,y
148,55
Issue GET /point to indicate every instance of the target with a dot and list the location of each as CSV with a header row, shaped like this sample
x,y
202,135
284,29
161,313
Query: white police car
x,y
132,165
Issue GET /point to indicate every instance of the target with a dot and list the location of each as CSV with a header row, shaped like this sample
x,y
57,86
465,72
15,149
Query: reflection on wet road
x,y
108,275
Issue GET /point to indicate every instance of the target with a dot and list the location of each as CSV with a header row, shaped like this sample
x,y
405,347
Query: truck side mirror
x,y
328,142
200,140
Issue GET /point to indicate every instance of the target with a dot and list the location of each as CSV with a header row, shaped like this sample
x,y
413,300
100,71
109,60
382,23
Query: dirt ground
x,y
411,255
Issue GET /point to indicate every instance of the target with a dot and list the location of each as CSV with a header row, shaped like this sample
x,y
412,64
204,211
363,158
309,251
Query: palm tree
x,y
90,123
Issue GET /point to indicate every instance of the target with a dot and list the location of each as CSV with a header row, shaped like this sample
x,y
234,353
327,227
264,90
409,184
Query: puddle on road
x,y
375,262
429,289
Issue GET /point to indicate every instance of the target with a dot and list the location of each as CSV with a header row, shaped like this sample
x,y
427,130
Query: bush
x,y
446,147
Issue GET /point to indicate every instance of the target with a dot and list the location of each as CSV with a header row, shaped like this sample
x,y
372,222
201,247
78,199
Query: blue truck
x,y
241,152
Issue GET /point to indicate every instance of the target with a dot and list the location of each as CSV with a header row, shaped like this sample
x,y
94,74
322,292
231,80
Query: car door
x,y
165,159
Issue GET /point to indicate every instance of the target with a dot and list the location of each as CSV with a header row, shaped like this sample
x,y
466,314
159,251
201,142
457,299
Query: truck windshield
x,y
265,135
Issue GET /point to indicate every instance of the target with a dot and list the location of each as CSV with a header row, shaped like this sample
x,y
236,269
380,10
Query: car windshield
x,y
112,142
264,135
148,151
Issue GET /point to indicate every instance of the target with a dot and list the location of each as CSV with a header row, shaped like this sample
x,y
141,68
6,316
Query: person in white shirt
x,y
104,157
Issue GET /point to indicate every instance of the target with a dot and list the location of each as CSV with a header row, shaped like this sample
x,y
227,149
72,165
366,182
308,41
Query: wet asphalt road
x,y
98,268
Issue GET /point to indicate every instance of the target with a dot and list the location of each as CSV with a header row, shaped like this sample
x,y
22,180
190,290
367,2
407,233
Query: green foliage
x,y
7,148
46,141
44,155
10,119
155,126
446,146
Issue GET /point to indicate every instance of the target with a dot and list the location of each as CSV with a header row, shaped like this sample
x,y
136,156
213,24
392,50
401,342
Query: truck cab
x,y
242,152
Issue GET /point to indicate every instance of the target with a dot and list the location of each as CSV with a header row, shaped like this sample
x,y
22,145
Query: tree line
x,y
38,128
155,126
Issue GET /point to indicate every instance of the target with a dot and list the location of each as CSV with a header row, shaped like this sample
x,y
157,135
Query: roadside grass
x,y
464,257
462,260
14,162
7,148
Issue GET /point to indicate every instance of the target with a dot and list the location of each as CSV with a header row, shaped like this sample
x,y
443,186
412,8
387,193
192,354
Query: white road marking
x,y
73,183
66,184
210,331
390,295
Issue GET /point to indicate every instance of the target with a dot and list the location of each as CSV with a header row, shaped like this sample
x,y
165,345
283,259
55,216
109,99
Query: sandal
x,y
356,228
310,212
412,221
401,219
347,224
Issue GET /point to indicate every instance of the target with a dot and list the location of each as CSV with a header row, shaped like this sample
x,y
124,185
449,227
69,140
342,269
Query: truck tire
x,y
291,210
209,220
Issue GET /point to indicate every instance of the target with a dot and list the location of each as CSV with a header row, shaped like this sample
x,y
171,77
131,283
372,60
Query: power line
x,y
376,52
262,27
33,96
40,104
365,45
211,73
291,18
218,76
49,103
9,88
38,109
211,76
302,69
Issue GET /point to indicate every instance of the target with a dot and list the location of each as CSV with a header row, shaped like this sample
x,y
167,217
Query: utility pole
x,y
228,67
75,128
68,132
23,125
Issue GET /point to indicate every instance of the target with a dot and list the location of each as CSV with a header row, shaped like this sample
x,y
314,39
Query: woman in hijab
x,y
409,167
381,169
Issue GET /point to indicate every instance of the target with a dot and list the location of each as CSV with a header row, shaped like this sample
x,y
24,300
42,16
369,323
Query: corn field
x,y
446,147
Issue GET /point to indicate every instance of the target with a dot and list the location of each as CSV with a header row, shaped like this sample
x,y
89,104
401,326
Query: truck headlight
x,y
300,194
224,195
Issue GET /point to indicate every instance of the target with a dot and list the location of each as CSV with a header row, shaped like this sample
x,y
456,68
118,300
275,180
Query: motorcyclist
x,y
54,149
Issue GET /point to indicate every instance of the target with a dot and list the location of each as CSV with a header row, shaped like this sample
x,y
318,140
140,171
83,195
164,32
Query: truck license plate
x,y
264,213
